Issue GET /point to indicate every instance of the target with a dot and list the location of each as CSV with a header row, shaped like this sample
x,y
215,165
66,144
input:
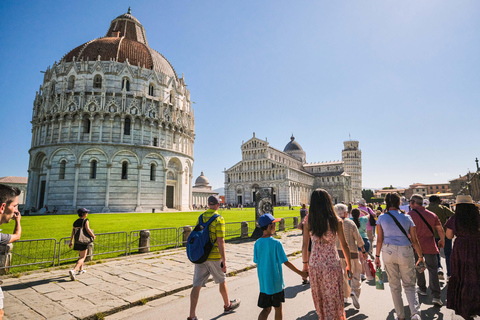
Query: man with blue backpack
x,y
215,263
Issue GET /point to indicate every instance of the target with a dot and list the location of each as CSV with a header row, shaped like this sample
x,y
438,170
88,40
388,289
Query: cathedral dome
x,y
125,40
201,181
292,145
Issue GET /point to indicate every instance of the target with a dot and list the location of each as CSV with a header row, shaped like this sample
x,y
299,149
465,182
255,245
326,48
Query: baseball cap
x,y
213,200
267,219
83,210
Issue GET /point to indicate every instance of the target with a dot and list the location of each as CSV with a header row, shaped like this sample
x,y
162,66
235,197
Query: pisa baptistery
x,y
112,129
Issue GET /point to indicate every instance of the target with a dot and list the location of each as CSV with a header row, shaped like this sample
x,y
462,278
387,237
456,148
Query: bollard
x,y
295,222
5,258
244,229
144,241
186,233
281,225
89,256
153,210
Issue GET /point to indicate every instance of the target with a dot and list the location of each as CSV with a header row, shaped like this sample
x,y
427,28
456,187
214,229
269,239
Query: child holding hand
x,y
269,255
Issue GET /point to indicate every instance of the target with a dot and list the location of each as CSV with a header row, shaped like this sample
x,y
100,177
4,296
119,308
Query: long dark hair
x,y
356,217
466,218
322,217
392,200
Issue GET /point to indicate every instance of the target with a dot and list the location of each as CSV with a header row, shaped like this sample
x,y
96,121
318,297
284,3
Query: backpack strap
x,y
424,220
399,226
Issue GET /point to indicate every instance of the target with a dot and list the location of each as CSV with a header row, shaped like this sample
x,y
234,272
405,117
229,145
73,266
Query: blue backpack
x,y
198,242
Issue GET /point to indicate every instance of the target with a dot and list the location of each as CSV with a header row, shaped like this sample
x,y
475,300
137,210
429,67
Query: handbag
x,y
369,269
82,237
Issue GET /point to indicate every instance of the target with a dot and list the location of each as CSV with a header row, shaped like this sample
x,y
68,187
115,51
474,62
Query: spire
x,y
476,160
129,10
292,137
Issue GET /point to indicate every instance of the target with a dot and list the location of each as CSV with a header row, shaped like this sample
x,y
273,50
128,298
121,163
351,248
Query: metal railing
x,y
162,237
51,252
31,252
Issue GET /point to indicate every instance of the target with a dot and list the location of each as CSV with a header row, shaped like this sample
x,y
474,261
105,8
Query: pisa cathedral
x,y
112,128
290,176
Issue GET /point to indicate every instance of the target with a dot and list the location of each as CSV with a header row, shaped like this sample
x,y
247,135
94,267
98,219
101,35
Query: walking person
x,y
8,210
81,222
324,269
396,235
361,222
354,242
426,222
216,263
443,213
370,228
269,255
463,292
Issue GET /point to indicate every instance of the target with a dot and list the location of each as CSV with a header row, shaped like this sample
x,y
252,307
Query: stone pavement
x,y
117,284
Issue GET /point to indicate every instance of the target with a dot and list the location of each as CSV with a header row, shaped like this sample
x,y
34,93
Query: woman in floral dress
x,y
325,272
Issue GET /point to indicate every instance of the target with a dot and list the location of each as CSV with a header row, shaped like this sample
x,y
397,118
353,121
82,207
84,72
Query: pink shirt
x,y
364,209
425,236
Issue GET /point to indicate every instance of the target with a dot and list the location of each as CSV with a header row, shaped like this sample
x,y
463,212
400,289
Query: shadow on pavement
x,y
291,292
20,286
311,315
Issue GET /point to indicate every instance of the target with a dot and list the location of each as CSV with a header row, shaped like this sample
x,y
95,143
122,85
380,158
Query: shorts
x,y
204,270
1,299
271,300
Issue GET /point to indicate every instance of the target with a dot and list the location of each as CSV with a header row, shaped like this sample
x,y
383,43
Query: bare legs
x,y
81,259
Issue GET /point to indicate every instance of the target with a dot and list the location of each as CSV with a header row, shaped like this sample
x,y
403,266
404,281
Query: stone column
x,y
138,208
91,129
70,121
47,182
244,229
164,188
186,233
75,186
142,124
102,119
107,191
60,131
80,120
144,241
52,129
122,127
111,129
89,256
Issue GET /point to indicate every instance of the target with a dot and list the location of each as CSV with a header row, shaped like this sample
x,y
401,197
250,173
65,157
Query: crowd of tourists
x,y
337,241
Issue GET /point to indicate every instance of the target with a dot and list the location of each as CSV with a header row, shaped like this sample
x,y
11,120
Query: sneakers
x,y
81,272
416,317
362,276
72,275
437,302
440,274
234,304
421,292
355,302
305,281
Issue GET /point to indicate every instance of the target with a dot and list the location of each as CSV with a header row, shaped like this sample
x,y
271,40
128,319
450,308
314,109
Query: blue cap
x,y
267,219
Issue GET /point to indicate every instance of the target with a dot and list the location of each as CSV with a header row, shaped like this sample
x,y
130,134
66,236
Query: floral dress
x,y
326,278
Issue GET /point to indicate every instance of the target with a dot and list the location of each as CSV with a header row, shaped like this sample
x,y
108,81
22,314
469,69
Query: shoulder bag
x,y
399,226
428,225
83,238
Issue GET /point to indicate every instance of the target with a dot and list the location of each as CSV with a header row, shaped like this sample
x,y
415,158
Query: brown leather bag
x,y
82,236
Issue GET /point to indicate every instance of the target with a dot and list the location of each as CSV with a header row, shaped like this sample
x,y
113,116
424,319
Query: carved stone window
x,y
86,126
153,170
155,142
126,128
97,81
93,169
151,90
71,82
124,170
126,84
61,174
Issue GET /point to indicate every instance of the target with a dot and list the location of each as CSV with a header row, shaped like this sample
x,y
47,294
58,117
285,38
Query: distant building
x,y
289,174
201,191
416,188
20,183
438,188
383,192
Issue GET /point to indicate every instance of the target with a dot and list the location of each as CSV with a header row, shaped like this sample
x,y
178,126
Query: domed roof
x,y
125,40
292,145
201,181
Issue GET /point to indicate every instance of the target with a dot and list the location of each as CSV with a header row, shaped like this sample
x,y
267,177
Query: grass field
x,y
59,226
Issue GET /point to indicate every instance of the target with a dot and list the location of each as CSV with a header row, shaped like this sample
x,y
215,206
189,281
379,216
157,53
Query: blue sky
x,y
402,77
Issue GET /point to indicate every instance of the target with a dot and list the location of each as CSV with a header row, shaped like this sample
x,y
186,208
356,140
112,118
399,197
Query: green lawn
x,y
59,226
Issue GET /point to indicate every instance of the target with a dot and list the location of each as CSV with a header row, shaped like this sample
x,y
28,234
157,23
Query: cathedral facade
x,y
290,176
112,128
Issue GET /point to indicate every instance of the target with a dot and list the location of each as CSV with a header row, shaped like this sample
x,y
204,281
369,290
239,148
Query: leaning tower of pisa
x,y
352,159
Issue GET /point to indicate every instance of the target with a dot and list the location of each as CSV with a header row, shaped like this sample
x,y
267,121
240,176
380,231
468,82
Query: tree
x,y
367,194
388,188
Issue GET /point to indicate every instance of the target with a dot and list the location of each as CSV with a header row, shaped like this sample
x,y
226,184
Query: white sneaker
x,y
355,302
437,302
81,272
72,275
421,292
362,276
416,317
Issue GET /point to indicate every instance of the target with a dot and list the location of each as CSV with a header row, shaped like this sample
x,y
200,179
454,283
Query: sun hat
x,y
267,219
362,201
464,199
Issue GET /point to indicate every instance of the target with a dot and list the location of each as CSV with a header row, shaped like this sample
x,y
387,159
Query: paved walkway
x,y
116,284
